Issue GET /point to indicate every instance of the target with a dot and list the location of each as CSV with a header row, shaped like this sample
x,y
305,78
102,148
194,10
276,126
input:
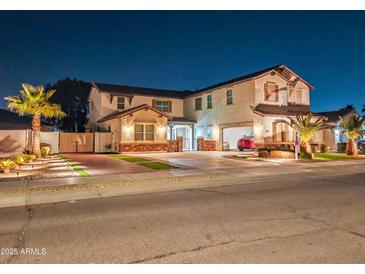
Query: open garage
x,y
232,134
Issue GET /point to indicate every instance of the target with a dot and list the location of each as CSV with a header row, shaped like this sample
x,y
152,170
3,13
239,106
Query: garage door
x,y
232,134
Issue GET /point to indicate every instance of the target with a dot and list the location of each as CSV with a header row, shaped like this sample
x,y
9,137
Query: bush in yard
x,y
324,148
276,153
45,149
362,148
341,147
19,160
314,148
7,165
263,153
304,155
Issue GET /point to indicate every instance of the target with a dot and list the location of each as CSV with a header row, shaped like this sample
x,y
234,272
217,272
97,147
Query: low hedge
x,y
276,153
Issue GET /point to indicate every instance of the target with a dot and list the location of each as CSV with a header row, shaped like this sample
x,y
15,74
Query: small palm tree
x,y
306,128
33,101
352,127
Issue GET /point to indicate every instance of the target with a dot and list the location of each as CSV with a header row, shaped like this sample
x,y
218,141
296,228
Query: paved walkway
x,y
98,164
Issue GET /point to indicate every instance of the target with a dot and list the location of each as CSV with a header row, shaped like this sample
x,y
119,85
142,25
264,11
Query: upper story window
x,y
144,132
271,92
198,103
163,106
229,97
120,103
209,101
296,95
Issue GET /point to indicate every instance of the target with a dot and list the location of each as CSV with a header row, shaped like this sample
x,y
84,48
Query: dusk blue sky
x,y
185,50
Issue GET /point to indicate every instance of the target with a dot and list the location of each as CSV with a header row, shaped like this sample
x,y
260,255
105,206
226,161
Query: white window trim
x,y
144,132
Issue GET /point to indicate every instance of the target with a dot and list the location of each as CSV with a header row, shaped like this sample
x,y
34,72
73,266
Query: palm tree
x,y
306,128
33,101
352,127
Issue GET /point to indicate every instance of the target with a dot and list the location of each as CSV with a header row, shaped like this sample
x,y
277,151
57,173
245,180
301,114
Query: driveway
x,y
98,164
207,160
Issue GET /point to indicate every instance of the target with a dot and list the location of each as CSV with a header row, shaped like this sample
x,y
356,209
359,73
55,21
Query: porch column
x,y
192,136
171,126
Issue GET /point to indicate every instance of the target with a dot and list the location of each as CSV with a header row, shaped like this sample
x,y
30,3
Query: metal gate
x,y
76,142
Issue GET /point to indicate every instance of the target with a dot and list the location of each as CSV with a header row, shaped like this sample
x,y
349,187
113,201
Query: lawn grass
x,y
336,156
143,162
82,172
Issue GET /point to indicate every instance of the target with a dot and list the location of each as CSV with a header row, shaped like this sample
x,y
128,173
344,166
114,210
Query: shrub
x,y
7,165
314,148
285,154
362,148
19,160
45,149
341,147
263,154
305,155
276,153
324,148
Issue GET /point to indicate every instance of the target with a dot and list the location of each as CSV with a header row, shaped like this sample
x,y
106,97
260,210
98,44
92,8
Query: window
x,y
121,103
144,132
150,132
296,95
198,103
271,92
209,132
138,132
163,106
209,101
229,97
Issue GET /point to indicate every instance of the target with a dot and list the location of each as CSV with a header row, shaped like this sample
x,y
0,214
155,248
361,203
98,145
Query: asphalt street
x,y
294,220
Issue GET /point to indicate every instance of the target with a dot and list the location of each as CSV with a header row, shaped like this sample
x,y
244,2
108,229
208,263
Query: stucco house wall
x,y
102,106
222,115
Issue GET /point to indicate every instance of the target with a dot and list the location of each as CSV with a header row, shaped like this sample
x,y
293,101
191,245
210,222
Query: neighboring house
x,y
252,105
334,135
11,120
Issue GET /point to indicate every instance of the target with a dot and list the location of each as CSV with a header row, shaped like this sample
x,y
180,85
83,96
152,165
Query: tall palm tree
x,y
306,128
33,101
352,127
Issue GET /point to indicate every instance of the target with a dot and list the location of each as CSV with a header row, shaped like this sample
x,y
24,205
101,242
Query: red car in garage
x,y
245,143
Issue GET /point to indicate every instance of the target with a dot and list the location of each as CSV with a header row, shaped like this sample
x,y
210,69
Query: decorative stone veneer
x,y
143,147
168,146
176,145
206,145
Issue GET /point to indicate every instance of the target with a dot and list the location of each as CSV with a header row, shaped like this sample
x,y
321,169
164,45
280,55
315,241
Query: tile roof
x,y
182,120
124,89
281,69
333,116
125,112
285,72
289,110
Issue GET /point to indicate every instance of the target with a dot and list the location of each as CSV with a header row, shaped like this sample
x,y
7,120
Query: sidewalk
x,y
78,188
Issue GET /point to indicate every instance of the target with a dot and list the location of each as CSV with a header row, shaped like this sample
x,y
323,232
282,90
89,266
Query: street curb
x,y
48,194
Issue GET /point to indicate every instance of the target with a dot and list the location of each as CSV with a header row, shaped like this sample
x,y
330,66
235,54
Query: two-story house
x,y
251,105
